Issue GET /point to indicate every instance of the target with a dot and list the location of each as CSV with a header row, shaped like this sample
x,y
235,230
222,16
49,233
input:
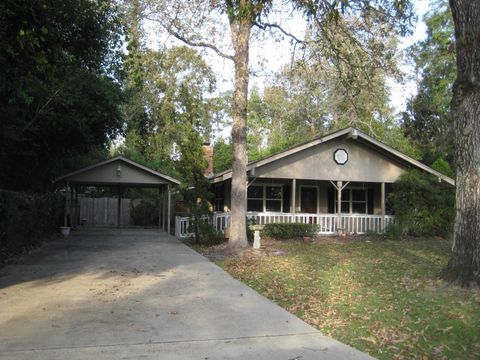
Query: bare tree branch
x,y
265,26
191,42
39,112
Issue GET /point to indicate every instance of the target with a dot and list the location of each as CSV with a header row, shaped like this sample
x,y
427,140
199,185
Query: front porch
x,y
363,206
328,224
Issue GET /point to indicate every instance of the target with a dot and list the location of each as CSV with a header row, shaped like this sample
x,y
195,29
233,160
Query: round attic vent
x,y
340,156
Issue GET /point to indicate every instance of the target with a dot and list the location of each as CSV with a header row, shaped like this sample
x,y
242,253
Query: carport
x,y
119,173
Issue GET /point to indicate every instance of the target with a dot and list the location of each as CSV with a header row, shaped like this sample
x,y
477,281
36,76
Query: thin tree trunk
x,y
464,265
240,32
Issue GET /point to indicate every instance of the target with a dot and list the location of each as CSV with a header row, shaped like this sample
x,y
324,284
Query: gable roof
x,y
136,166
347,133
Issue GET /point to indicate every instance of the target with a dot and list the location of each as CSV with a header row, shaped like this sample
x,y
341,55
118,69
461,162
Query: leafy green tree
x,y
167,90
244,18
422,206
428,120
222,156
58,96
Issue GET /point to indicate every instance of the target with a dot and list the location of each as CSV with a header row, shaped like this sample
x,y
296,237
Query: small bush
x,y
145,213
205,233
250,232
393,232
24,219
422,206
289,230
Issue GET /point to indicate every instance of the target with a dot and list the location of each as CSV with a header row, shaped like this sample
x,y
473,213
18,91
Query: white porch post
x,y
339,204
168,208
293,197
382,192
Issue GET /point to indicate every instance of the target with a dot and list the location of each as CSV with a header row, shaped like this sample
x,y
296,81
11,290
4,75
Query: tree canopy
x,y
59,99
428,120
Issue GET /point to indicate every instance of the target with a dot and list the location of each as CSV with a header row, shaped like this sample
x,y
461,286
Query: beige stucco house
x,y
307,183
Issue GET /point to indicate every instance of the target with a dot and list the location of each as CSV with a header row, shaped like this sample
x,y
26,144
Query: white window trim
x,y
350,201
317,200
264,197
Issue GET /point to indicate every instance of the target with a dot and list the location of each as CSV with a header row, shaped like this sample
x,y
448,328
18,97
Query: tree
x,y
168,93
59,94
242,18
464,264
428,120
222,156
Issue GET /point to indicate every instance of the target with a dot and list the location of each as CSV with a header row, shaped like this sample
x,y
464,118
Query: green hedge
x,y
422,206
144,213
24,219
289,231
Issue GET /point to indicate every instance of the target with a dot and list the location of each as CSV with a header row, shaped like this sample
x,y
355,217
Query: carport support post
x,y
161,211
164,213
168,208
65,217
75,208
71,206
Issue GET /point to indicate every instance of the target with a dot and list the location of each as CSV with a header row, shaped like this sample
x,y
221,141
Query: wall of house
x,y
317,163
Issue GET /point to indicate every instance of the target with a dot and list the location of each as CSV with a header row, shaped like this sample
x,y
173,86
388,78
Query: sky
x,y
268,56
400,93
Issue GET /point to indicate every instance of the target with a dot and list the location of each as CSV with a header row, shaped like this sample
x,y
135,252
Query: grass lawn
x,y
381,297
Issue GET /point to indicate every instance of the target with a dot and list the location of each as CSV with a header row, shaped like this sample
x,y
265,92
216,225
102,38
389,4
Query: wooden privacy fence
x,y
103,211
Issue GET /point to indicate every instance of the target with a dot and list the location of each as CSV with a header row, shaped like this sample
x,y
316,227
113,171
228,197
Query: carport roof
x,y
117,171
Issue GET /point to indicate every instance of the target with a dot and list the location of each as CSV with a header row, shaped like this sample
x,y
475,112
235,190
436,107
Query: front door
x,y
308,200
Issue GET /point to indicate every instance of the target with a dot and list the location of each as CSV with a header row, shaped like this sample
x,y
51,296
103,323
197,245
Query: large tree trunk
x,y
464,265
240,31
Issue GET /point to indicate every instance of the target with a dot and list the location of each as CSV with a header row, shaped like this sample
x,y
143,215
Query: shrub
x,y
24,219
289,230
422,206
250,232
205,233
144,213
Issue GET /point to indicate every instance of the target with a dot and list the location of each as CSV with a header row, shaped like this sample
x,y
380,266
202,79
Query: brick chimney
x,y
208,155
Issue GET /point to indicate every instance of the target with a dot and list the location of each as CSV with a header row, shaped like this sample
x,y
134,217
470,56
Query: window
x,y
273,198
218,204
354,201
264,198
255,198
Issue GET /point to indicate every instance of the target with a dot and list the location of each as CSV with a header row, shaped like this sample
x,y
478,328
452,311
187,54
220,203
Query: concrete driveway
x,y
140,294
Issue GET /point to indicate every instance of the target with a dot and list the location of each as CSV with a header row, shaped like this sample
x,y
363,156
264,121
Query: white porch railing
x,y
327,223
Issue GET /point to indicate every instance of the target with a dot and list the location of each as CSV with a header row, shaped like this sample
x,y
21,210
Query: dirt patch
x,y
222,252
271,247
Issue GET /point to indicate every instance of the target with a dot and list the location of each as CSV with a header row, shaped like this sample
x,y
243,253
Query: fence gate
x,y
103,211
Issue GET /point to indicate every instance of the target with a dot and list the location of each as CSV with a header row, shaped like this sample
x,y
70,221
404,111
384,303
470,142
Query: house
x,y
340,182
